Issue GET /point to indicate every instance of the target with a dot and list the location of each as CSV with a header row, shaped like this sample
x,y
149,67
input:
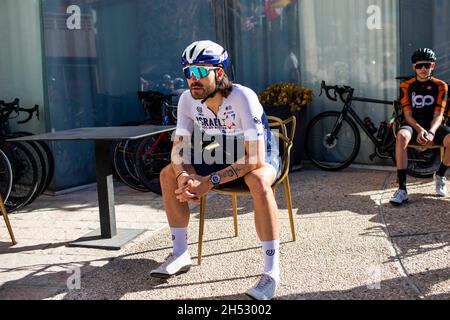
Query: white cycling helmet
x,y
205,51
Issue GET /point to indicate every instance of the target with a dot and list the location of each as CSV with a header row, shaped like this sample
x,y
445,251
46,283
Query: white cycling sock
x,y
179,240
271,252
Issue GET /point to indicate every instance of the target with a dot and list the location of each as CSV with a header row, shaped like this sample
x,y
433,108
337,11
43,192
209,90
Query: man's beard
x,y
202,91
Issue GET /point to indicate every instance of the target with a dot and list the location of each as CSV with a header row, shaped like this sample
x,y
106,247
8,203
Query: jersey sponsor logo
x,y
257,120
210,123
229,121
200,111
420,101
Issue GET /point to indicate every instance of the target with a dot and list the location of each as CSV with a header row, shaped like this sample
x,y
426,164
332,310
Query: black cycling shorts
x,y
439,137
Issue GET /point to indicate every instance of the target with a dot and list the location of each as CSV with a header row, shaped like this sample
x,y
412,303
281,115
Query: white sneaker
x,y
400,197
264,289
173,266
441,187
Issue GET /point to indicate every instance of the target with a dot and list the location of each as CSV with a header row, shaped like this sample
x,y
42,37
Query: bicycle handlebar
x,y
337,90
30,113
10,107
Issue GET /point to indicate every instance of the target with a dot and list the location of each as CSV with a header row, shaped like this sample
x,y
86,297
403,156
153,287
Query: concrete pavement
x,y
351,244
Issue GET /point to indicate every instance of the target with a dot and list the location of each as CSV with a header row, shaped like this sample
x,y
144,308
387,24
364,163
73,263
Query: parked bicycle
x,y
31,164
138,162
333,139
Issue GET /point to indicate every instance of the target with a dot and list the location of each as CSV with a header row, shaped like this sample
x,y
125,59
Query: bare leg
x,y
446,160
177,212
401,154
259,182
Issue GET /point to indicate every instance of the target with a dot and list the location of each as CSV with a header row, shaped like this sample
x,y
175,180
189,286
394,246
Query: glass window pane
x,y
99,53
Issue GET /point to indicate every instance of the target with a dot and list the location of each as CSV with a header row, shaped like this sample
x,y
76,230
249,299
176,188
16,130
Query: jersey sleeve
x,y
405,101
251,115
185,123
441,102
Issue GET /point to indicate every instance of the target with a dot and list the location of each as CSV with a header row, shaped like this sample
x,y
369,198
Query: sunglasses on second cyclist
x,y
197,71
419,66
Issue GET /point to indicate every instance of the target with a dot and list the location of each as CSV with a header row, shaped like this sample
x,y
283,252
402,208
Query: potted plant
x,y
283,100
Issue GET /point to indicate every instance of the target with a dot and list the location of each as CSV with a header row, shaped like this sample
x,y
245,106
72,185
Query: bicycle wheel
x,y
6,176
423,164
25,175
123,166
49,160
41,168
328,152
151,156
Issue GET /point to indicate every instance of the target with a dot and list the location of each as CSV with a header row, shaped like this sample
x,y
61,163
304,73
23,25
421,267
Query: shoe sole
x,y
167,276
253,298
396,204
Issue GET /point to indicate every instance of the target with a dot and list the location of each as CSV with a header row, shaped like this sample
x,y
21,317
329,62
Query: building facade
x,y
83,61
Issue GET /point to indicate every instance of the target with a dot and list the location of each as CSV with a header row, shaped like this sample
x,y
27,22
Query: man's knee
x,y
403,138
447,141
257,184
167,175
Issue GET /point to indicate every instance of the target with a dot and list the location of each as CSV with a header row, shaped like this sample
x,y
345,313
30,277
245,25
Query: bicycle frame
x,y
347,109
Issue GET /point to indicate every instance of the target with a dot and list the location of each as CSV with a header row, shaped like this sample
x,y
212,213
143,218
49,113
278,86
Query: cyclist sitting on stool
x,y
423,100
219,107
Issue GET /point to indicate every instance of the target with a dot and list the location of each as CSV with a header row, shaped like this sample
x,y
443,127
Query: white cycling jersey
x,y
240,113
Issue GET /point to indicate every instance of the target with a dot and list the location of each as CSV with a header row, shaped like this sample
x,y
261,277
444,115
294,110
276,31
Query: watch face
x,y
215,179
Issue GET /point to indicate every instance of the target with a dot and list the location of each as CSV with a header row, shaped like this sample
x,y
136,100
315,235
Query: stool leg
x,y
287,191
201,228
8,225
234,202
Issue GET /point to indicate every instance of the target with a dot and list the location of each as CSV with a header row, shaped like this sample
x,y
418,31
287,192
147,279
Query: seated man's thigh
x,y
441,134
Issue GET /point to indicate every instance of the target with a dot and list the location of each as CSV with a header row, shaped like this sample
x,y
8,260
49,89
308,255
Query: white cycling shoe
x,y
264,289
400,197
441,185
173,266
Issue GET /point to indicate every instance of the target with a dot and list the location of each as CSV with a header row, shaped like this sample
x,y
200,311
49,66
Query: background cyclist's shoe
x,y
441,185
264,289
400,197
173,266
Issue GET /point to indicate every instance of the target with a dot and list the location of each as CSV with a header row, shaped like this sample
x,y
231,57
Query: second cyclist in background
x,y
423,99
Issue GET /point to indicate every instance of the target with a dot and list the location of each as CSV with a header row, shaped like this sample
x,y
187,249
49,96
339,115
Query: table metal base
x,y
94,239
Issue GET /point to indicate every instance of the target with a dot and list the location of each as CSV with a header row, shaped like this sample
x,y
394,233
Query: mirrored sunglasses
x,y
419,66
198,72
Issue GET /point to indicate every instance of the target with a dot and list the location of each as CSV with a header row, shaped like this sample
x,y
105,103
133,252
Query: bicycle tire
x,y
122,168
331,155
40,167
48,158
423,164
150,159
6,176
25,175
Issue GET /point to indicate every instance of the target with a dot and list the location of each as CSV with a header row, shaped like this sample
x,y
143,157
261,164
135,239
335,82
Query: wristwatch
x,y
215,180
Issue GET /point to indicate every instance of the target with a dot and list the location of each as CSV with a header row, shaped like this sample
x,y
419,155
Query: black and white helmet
x,y
205,51
423,54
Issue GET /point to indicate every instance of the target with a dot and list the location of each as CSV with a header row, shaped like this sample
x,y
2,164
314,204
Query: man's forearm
x,y
176,157
236,170
436,123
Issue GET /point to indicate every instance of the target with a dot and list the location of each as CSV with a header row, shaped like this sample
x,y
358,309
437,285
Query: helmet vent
x,y
192,52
